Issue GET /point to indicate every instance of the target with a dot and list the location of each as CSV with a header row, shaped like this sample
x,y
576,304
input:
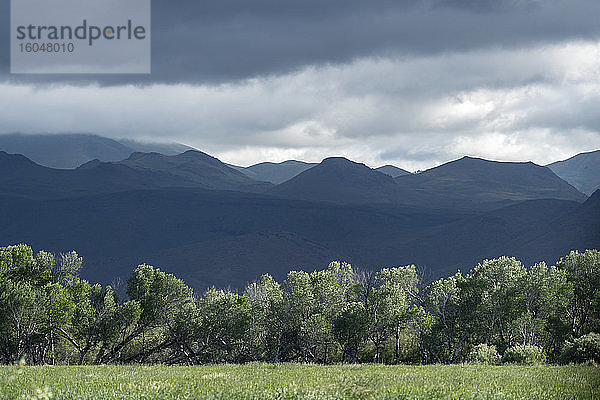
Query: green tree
x,y
350,328
142,323
443,300
19,319
299,305
18,264
265,298
546,294
332,288
225,319
29,304
389,304
583,274
68,267
493,290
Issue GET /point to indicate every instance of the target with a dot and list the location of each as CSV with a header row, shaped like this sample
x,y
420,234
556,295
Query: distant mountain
x,y
471,181
21,177
204,170
275,173
72,150
339,180
64,151
392,171
581,171
465,184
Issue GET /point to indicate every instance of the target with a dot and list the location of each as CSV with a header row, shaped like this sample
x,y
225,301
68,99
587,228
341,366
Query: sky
x,y
404,82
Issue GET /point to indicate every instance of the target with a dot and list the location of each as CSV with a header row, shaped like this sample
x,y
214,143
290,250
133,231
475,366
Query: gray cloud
x,y
219,41
532,103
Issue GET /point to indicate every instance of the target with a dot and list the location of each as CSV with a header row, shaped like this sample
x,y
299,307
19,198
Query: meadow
x,y
300,381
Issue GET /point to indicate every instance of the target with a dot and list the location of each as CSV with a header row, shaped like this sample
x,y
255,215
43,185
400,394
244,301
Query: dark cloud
x,y
219,41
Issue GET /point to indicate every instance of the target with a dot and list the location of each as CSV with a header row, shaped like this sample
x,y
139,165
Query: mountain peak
x,y
342,163
339,180
474,166
480,160
338,160
197,169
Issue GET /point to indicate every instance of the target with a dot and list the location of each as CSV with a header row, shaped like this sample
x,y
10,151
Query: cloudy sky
x,y
406,82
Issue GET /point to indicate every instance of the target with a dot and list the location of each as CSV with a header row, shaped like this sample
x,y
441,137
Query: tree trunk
x,y
397,349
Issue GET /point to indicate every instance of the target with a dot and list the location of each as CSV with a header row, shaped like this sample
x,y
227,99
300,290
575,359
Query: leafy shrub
x,y
583,349
484,354
524,354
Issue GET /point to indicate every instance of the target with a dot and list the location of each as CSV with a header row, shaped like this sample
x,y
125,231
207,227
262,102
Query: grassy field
x,y
295,381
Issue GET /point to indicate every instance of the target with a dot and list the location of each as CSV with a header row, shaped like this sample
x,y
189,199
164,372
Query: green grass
x,y
296,381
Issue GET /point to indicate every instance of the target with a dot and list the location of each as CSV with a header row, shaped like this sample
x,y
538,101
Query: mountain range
x,y
216,224
72,150
467,183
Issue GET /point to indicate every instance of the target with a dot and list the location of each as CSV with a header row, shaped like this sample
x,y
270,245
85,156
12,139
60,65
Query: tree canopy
x,y
499,310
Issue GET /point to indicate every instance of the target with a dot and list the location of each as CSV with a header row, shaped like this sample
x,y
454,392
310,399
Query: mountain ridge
x,y
581,170
22,177
467,183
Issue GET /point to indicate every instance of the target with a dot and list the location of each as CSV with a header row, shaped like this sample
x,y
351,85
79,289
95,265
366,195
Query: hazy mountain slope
x,y
64,151
229,238
275,173
177,224
206,171
581,171
392,171
72,150
240,259
577,230
513,231
168,149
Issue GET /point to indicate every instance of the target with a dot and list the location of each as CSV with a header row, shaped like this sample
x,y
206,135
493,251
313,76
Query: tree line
x,y
499,310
